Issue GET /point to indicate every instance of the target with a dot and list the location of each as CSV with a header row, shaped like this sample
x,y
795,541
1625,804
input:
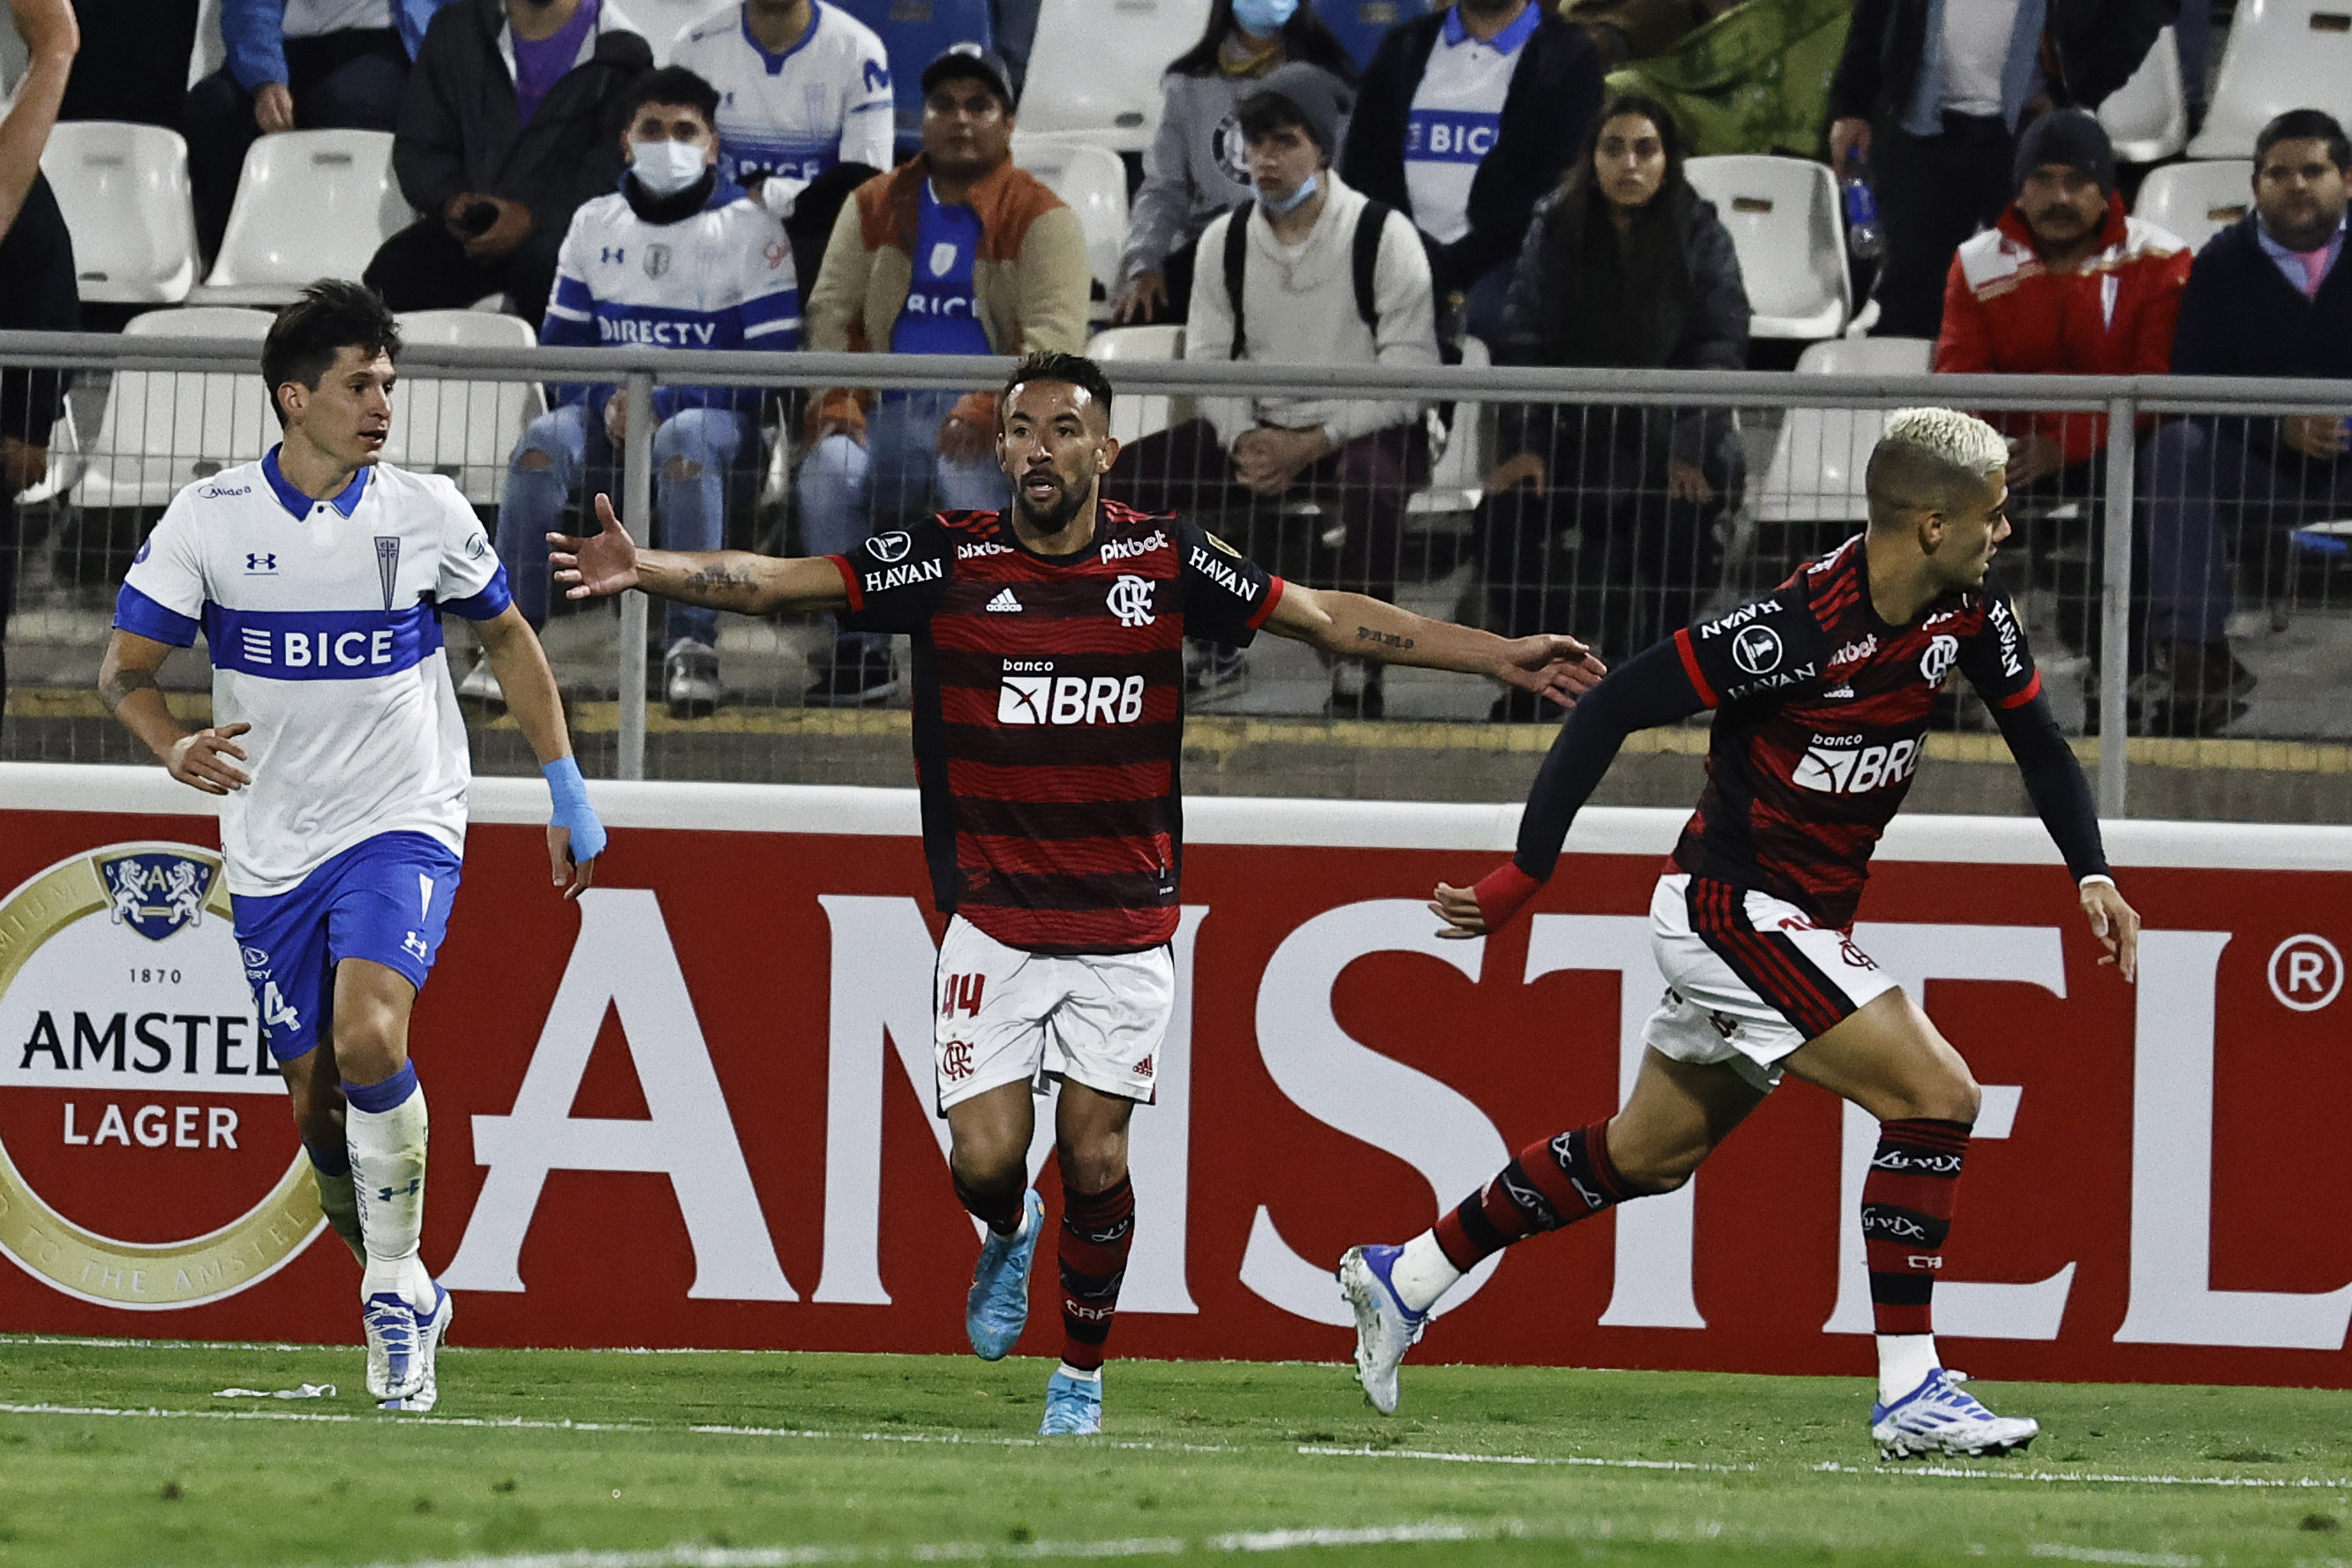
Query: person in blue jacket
x,y
313,65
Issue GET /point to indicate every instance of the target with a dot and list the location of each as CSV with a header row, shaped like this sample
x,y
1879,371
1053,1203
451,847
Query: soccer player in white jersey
x,y
803,86
319,577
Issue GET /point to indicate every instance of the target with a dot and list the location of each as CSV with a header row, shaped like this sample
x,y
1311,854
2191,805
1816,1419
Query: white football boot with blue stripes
x,y
1385,1327
391,1325
1938,1417
425,1388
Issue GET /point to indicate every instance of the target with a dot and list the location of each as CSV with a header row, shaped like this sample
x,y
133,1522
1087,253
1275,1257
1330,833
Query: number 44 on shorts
x,y
275,1011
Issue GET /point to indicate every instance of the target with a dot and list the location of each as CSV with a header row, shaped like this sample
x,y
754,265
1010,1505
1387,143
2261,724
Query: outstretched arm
x,y
2061,798
1653,689
611,562
1354,626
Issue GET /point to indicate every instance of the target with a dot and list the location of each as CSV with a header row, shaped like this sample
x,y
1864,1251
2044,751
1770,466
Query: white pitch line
x,y
2109,1555
957,1440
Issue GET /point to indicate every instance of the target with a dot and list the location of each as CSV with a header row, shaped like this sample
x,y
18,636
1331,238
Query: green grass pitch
x,y
120,1453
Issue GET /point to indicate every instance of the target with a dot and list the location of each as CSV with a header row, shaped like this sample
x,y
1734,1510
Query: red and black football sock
x,y
1906,1212
1096,1230
1547,1185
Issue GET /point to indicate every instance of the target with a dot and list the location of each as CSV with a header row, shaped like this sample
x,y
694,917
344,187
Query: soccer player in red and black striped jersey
x,y
1048,720
1821,692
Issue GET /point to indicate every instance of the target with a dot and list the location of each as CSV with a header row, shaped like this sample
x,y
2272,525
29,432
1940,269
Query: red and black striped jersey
x,y
1049,712
1821,711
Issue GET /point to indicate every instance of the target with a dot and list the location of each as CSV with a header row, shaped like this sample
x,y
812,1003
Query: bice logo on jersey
x,y
1841,765
1069,699
141,1098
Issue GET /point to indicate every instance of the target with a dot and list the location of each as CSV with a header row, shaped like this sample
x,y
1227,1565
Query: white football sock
x,y
387,1150
1423,1273
1083,1376
1905,1360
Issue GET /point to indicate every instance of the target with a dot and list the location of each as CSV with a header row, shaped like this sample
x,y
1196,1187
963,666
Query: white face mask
x,y
664,168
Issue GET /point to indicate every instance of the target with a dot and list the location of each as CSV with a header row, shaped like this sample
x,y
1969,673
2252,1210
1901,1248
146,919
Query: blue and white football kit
x,y
788,118
323,619
717,278
1457,111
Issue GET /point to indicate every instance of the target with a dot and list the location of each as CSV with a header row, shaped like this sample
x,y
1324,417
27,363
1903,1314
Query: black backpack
x,y
1365,258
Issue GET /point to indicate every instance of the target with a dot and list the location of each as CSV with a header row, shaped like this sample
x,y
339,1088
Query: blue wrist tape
x,y
573,811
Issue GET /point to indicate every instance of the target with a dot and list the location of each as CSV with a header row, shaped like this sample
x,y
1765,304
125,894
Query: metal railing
x,y
146,415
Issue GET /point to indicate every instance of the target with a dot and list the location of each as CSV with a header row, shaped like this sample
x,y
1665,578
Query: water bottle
x,y
1862,233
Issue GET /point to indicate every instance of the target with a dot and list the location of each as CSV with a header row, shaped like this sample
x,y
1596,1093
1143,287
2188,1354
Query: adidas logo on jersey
x,y
1004,604
1848,769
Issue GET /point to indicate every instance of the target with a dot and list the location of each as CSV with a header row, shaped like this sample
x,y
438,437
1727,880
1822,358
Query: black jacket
x,y
1555,95
38,294
2241,317
460,128
2094,45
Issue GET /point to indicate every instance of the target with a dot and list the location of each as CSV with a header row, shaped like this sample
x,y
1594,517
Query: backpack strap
x,y
1236,253
1369,224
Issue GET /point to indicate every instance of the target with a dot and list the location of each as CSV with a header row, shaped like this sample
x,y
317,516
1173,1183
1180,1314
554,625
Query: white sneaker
x,y
1385,1327
691,672
1937,1418
391,1325
429,1331
481,685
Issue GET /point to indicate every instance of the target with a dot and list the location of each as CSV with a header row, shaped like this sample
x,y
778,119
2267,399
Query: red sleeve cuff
x,y
849,581
1503,893
1684,646
2019,699
1273,597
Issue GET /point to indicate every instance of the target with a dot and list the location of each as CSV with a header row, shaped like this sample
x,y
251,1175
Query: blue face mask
x,y
1296,200
1264,18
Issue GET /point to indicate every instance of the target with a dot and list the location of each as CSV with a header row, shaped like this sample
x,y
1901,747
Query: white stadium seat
x,y
1457,479
1133,418
2281,55
124,193
463,430
1096,66
1093,180
2148,117
1783,217
1818,458
310,205
2197,200
163,429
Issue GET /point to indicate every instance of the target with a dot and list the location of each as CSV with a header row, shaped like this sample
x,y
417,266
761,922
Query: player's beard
x,y
1052,519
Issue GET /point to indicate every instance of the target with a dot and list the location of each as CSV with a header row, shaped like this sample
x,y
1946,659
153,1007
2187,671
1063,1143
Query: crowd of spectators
x,y
1474,180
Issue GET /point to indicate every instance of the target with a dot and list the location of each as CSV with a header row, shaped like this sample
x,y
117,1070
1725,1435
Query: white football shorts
x,y
1004,1016
1750,978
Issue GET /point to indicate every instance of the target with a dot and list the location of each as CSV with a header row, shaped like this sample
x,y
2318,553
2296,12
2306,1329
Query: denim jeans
x,y
847,491
689,511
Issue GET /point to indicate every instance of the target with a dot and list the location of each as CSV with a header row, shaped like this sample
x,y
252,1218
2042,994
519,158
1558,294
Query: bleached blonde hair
x,y
1928,457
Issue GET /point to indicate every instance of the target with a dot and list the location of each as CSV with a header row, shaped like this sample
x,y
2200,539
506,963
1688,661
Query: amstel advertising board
x,y
694,1109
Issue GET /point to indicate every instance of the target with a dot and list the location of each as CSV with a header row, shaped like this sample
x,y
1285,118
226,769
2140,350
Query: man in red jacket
x,y
2064,284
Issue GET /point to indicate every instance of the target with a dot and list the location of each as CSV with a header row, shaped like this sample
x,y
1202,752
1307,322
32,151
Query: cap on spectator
x,y
2071,136
1318,97
958,60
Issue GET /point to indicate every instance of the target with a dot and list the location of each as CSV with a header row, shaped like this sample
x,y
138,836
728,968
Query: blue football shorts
x,y
385,899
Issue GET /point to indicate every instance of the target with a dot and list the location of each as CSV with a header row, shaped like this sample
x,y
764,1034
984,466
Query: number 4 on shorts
x,y
274,1012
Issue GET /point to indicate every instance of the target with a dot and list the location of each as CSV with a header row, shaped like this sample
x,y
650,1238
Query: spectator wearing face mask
x,y
1196,169
511,119
680,258
1326,277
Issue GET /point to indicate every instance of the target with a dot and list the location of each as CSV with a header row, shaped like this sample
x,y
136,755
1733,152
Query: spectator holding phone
x,y
511,119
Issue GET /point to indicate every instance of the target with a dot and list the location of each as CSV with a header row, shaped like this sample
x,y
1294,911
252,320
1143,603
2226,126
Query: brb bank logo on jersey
x,y
1033,694
148,1159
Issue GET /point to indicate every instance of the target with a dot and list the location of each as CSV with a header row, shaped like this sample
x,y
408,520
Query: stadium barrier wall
x,y
694,1110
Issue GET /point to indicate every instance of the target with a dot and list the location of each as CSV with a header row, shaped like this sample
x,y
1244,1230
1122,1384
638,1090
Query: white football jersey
x,y
1458,111
825,101
323,619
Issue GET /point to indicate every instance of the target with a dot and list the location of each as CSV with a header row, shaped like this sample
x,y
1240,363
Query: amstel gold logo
x,y
135,1091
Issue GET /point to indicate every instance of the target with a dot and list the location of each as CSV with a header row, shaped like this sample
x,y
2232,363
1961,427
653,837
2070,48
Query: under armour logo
x,y
259,561
614,255
414,943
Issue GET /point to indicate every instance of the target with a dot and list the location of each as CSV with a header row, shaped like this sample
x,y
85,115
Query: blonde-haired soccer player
x,y
1822,693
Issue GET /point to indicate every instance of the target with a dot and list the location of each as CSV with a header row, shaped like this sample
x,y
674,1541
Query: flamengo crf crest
x,y
157,894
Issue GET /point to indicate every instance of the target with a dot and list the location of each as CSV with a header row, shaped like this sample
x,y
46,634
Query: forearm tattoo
x,y
718,587
117,687
1396,640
